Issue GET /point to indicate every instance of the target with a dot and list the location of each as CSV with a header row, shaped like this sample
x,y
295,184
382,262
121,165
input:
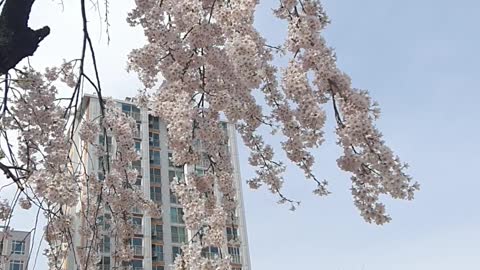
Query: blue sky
x,y
419,60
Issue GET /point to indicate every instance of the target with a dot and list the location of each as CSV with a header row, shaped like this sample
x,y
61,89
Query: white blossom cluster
x,y
213,60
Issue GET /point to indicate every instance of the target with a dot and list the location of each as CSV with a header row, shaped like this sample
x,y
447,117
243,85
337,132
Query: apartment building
x,y
158,240
14,249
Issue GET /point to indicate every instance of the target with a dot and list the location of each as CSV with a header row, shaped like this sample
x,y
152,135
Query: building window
x,y
137,132
137,225
178,175
104,221
176,251
105,244
157,232
138,182
101,141
157,253
104,264
173,198
154,157
234,253
210,252
156,194
232,233
132,111
158,267
136,264
138,146
155,175
154,139
137,165
137,246
16,265
176,215
153,122
199,172
18,247
178,234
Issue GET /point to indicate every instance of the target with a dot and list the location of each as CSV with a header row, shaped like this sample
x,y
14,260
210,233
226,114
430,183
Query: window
x,y
176,251
101,162
154,139
101,141
155,157
132,111
136,132
18,247
137,225
104,263
105,244
178,234
199,172
157,232
176,215
156,194
157,253
232,233
155,175
138,146
234,253
104,221
16,265
173,198
175,174
137,246
138,182
136,264
158,267
210,252
153,122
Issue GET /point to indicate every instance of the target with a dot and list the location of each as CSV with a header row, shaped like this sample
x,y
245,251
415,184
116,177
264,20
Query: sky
x,y
420,61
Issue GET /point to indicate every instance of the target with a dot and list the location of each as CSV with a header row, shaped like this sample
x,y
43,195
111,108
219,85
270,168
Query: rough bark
x,y
17,40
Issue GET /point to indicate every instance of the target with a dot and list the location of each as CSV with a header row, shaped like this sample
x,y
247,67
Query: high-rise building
x,y
158,240
14,249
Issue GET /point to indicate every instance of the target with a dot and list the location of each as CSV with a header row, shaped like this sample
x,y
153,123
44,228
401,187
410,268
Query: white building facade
x,y
158,240
14,249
